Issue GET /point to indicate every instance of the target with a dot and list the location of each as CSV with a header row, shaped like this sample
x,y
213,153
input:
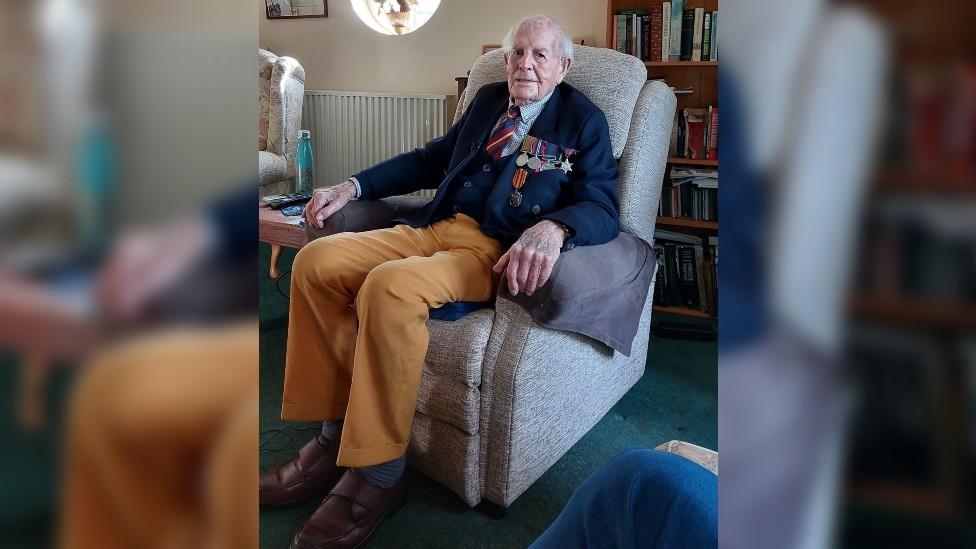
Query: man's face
x,y
534,68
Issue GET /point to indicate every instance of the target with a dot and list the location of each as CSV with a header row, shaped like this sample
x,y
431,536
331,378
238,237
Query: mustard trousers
x,y
364,363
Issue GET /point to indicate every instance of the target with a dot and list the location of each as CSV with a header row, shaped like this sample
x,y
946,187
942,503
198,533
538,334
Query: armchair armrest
x,y
366,215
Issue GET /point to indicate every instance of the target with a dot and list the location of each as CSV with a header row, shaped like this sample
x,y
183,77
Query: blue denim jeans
x,y
640,498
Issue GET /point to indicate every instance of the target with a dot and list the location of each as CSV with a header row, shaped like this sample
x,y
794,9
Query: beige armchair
x,y
502,398
281,90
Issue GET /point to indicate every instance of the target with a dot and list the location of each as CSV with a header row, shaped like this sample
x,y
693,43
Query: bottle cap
x,y
305,133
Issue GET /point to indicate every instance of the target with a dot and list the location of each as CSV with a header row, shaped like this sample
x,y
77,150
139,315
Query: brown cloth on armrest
x,y
365,215
598,291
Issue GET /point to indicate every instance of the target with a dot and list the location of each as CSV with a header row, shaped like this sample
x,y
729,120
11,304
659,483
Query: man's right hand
x,y
327,201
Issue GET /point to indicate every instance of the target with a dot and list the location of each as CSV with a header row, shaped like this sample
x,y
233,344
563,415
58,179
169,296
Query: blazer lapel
x,y
545,125
499,106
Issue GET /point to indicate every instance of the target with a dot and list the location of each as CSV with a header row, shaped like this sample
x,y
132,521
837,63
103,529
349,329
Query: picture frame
x,y
296,9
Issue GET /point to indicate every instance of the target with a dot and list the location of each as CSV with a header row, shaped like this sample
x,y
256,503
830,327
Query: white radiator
x,y
355,130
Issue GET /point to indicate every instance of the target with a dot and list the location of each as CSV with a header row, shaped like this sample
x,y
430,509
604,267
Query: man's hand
x,y
529,262
327,201
145,264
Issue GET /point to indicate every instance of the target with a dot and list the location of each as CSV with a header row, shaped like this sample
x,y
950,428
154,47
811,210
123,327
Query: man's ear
x,y
566,63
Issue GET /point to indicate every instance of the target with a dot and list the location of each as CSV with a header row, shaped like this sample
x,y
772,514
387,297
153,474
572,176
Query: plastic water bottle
x,y
96,171
304,164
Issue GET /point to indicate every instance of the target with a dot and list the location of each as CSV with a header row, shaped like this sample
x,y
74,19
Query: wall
x,y
341,53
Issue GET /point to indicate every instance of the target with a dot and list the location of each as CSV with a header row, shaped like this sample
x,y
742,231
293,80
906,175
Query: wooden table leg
x,y
32,406
275,253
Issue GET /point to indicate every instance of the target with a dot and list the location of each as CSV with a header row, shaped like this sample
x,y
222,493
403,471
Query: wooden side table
x,y
279,230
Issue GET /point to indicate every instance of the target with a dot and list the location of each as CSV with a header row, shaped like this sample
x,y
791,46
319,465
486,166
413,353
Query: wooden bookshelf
x,y
914,312
656,64
688,223
684,311
702,78
691,162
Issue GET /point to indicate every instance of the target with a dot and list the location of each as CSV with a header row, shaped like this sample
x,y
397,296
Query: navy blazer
x,y
585,199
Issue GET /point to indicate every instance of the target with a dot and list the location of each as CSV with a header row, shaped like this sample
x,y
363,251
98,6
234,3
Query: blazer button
x,y
486,168
570,246
467,183
536,209
457,208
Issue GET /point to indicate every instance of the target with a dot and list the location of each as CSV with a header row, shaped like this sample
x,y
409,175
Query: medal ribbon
x,y
519,179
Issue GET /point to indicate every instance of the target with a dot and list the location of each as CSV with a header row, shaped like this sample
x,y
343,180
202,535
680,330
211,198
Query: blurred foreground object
x,y
162,444
912,457
855,383
800,104
117,118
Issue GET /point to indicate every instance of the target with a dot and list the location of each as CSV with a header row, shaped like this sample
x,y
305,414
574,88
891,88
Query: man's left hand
x,y
529,262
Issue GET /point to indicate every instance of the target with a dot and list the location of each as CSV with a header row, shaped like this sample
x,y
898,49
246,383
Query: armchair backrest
x,y
639,112
281,90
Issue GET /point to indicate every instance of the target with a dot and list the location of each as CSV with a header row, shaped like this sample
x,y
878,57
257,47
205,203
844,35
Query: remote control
x,y
279,201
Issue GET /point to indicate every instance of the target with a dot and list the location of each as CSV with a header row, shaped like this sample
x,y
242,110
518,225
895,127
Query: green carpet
x,y
677,398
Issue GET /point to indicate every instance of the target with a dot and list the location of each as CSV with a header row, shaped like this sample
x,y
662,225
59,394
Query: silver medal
x,y
534,163
515,200
521,160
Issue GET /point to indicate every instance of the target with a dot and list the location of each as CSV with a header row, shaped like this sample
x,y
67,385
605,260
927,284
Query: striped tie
x,y
503,133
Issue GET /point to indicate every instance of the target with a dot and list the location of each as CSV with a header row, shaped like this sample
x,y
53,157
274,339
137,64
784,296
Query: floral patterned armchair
x,y
280,94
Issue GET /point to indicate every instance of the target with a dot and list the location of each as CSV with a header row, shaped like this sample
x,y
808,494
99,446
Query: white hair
x,y
563,45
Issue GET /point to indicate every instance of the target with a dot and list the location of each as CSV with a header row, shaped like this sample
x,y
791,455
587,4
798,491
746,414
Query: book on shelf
x,y
677,11
673,146
688,276
712,133
706,37
695,134
696,41
713,51
665,32
687,34
682,133
654,31
685,271
620,32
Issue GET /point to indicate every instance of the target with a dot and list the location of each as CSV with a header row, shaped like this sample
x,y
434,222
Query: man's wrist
x,y
566,233
357,190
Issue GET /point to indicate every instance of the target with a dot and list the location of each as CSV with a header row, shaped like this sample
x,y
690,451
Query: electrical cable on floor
x,y
278,284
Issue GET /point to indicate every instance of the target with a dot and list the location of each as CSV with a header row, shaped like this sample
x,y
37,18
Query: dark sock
x,y
332,431
386,474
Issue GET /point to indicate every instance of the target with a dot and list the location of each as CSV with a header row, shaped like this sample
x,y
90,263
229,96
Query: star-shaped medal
x,y
566,166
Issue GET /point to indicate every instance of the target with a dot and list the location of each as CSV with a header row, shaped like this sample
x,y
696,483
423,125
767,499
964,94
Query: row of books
x,y
668,32
691,193
686,271
694,134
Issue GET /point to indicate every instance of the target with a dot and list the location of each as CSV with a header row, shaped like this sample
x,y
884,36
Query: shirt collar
x,y
530,111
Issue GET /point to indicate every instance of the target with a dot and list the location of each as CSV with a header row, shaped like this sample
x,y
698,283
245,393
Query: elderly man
x,y
528,168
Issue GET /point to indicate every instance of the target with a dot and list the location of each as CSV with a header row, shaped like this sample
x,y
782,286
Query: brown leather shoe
x,y
350,514
311,474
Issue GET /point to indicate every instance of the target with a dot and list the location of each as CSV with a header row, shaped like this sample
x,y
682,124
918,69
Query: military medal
x,y
515,199
534,163
522,159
